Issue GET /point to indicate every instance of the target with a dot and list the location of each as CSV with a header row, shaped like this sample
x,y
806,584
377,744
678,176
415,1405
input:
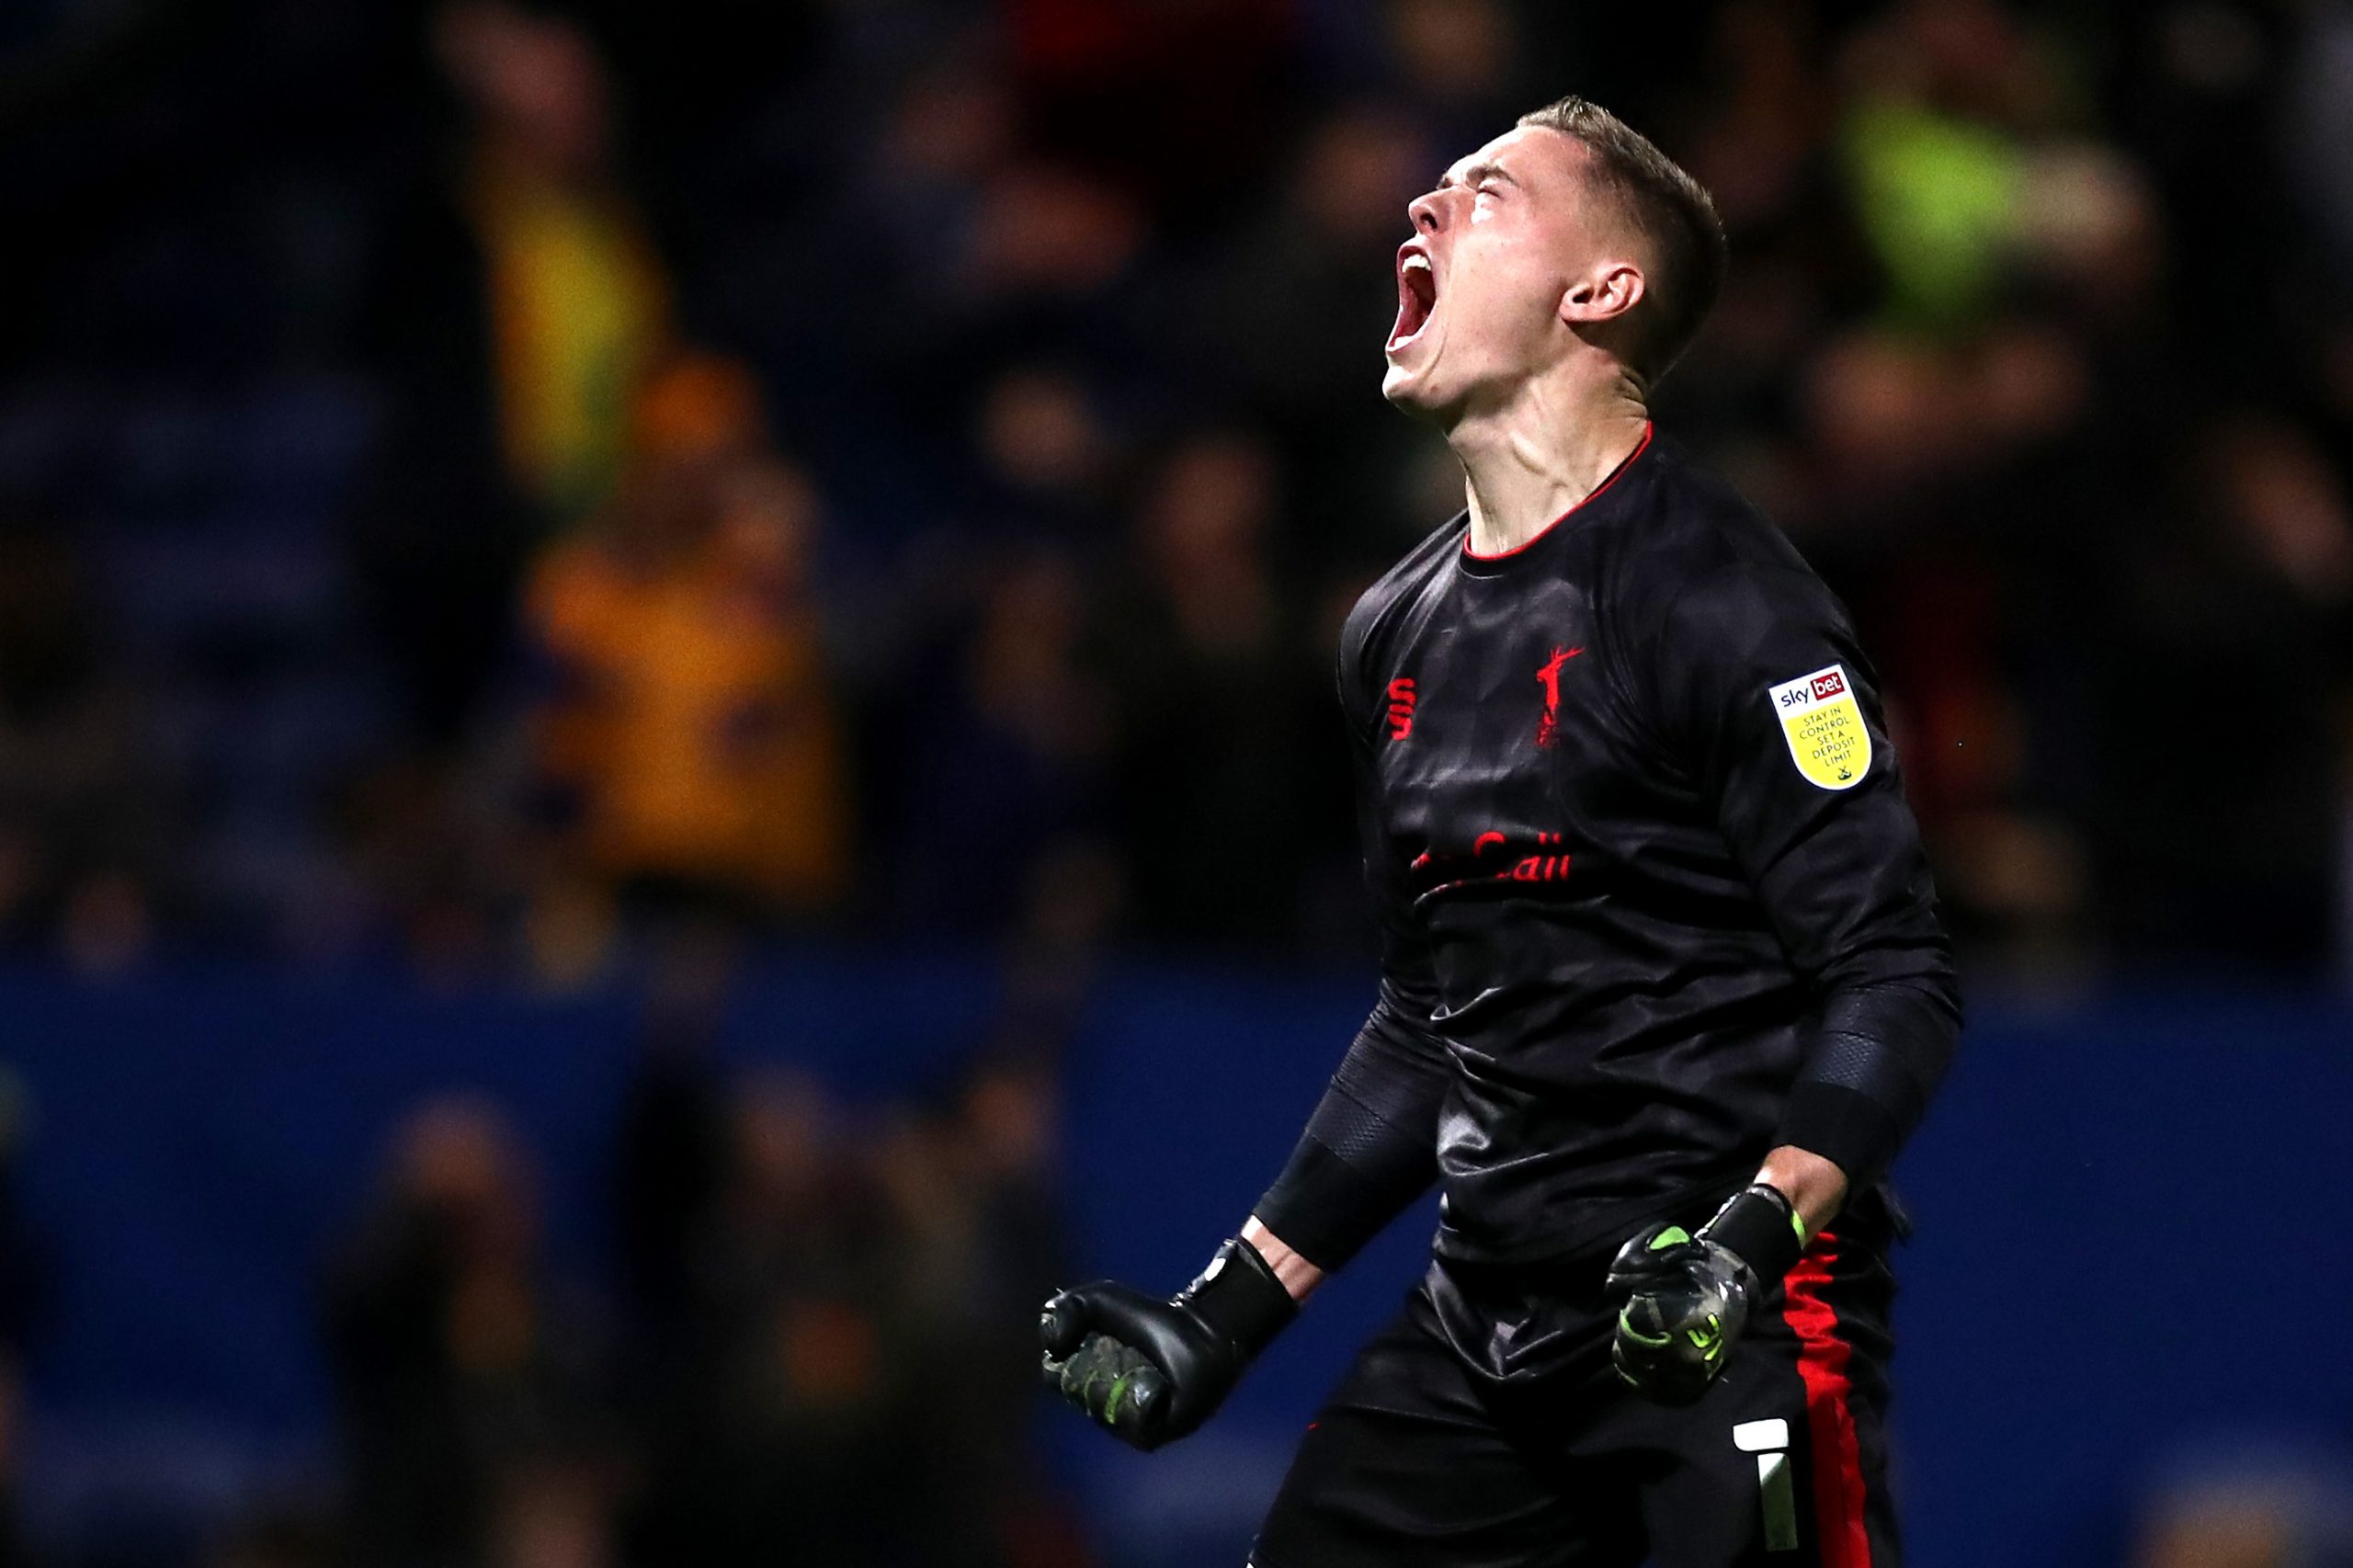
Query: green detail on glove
x,y
1626,1326
1673,1236
1118,1393
1708,1341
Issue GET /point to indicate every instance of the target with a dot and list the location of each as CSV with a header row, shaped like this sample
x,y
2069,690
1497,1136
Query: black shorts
x,y
1419,1461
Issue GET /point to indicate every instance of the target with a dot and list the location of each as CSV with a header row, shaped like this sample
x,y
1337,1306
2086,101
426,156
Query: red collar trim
x,y
1615,474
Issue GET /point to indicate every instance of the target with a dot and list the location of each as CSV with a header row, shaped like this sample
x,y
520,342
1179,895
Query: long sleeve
x,y
1768,696
1369,1149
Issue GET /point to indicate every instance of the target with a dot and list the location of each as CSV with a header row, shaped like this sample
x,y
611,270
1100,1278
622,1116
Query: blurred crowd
x,y
800,1330
483,484
813,1347
476,478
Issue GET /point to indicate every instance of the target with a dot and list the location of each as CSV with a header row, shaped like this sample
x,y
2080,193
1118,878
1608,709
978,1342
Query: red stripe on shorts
x,y
1822,1362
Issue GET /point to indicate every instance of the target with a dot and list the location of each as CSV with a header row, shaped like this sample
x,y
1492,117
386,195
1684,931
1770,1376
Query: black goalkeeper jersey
x,y
1652,902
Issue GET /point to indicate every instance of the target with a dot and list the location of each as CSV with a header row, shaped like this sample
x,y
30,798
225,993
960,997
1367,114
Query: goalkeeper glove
x,y
1153,1370
1683,1300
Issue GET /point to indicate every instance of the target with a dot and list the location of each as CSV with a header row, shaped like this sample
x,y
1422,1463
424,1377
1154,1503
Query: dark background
x,y
651,656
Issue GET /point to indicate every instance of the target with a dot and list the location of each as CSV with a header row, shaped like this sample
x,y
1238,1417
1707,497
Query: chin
x,y
1406,385
1409,391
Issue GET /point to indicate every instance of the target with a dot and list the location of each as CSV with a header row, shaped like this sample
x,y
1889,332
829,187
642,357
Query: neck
x,y
1531,458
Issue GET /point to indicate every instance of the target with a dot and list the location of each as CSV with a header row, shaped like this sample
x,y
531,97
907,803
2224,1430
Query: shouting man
x,y
1664,985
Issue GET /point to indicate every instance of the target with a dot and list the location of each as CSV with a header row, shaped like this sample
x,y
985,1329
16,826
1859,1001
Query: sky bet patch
x,y
1824,725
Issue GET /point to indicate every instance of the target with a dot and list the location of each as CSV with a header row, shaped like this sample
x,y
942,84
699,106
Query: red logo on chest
x,y
1549,677
1400,708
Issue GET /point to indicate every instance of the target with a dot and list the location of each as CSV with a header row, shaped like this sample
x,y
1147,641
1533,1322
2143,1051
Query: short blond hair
x,y
1673,211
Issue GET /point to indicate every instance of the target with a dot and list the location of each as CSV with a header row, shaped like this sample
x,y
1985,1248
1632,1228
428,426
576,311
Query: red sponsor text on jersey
x,y
1551,865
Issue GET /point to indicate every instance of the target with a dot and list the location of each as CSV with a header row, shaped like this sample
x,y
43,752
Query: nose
x,y
1425,213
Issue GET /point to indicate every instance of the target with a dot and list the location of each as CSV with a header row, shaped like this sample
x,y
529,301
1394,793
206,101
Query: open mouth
x,y
1417,297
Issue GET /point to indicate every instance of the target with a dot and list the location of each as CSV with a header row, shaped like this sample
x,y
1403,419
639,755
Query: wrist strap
x,y
1760,1227
1239,1297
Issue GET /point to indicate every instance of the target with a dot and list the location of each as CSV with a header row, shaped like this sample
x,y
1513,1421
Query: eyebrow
x,y
1476,174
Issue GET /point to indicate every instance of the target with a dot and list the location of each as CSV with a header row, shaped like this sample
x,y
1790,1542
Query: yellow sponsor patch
x,y
1824,725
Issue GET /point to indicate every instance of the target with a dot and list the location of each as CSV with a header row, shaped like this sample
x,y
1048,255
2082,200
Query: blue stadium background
x,y
2122,1266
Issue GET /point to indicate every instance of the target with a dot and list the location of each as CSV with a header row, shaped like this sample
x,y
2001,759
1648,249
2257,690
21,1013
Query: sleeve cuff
x,y
1851,1131
1324,1208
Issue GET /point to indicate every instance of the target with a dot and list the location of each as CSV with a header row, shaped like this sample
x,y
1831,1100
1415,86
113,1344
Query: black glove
x,y
1153,1370
1683,1300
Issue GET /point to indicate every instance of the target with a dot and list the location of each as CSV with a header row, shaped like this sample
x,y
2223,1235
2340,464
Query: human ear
x,y
1610,290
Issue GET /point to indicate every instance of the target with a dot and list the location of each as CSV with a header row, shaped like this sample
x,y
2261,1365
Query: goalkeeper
x,y
1664,985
